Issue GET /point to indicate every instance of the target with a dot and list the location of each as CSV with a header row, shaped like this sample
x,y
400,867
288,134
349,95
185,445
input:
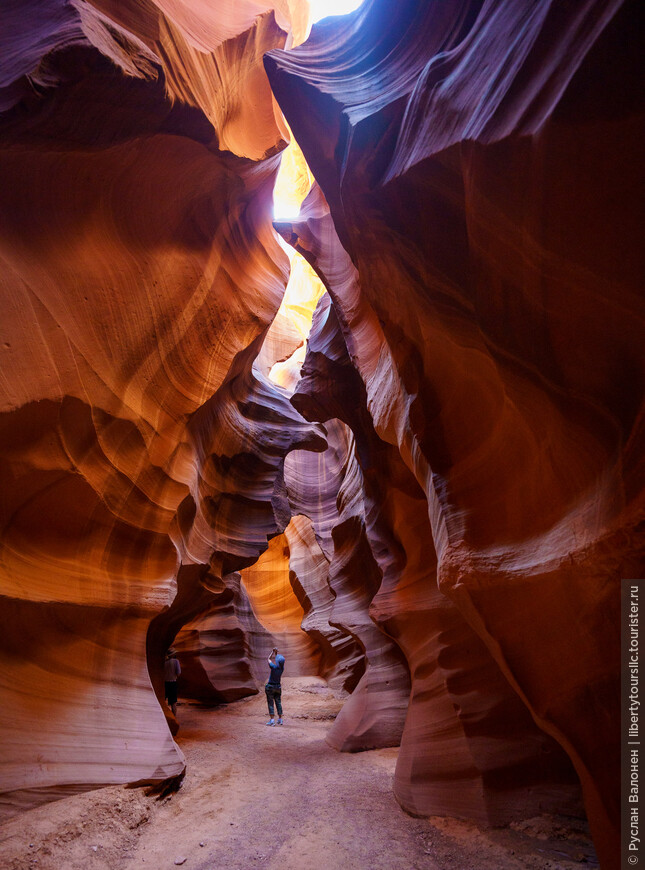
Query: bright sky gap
x,y
324,8
286,202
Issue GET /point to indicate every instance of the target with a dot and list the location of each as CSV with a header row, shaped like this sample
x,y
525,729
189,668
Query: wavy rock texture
x,y
479,163
139,274
213,650
342,660
279,613
464,723
330,488
483,493
207,629
330,390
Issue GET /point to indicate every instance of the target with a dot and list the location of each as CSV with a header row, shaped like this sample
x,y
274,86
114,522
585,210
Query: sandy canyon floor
x,y
276,798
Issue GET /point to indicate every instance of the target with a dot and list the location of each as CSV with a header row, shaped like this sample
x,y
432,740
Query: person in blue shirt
x,y
273,688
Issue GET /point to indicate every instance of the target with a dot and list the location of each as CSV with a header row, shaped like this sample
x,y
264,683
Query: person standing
x,y
273,689
171,669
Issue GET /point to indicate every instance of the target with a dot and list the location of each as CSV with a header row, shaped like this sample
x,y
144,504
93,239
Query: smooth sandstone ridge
x,y
432,500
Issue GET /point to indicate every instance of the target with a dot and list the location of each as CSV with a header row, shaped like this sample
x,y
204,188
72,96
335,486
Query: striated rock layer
x,y
464,723
480,163
139,273
212,651
342,661
278,614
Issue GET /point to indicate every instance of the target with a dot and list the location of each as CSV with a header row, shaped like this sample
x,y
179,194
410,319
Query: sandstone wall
x,y
462,449
479,164
464,723
138,273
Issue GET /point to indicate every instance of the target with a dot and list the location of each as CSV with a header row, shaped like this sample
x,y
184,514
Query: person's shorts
x,y
171,692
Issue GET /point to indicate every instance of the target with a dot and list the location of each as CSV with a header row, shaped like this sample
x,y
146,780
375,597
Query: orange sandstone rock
x,y
138,274
479,166
278,610
464,722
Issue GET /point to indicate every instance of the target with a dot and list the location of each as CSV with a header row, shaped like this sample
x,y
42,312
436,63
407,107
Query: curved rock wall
x,y
342,658
283,600
329,488
464,723
279,614
138,272
213,648
476,160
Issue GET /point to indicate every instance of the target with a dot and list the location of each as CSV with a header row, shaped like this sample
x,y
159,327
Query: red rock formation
x,y
139,271
211,646
479,165
283,600
342,660
482,166
278,612
331,490
464,722
375,713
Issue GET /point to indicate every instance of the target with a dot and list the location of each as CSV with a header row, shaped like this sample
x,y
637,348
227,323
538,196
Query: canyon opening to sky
x,y
319,331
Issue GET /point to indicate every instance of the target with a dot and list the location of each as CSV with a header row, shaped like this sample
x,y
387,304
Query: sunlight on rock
x,y
456,425
292,184
303,292
304,289
277,609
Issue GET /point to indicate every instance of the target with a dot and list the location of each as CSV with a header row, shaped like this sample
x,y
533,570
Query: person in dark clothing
x,y
172,669
273,689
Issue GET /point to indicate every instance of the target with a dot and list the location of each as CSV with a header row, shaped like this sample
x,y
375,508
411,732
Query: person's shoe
x,y
270,722
279,721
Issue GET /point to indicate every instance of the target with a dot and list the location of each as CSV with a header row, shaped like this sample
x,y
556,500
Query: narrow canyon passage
x,y
280,799
324,334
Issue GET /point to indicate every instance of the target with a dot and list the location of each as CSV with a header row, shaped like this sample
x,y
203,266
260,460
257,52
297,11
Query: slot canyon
x,y
325,337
